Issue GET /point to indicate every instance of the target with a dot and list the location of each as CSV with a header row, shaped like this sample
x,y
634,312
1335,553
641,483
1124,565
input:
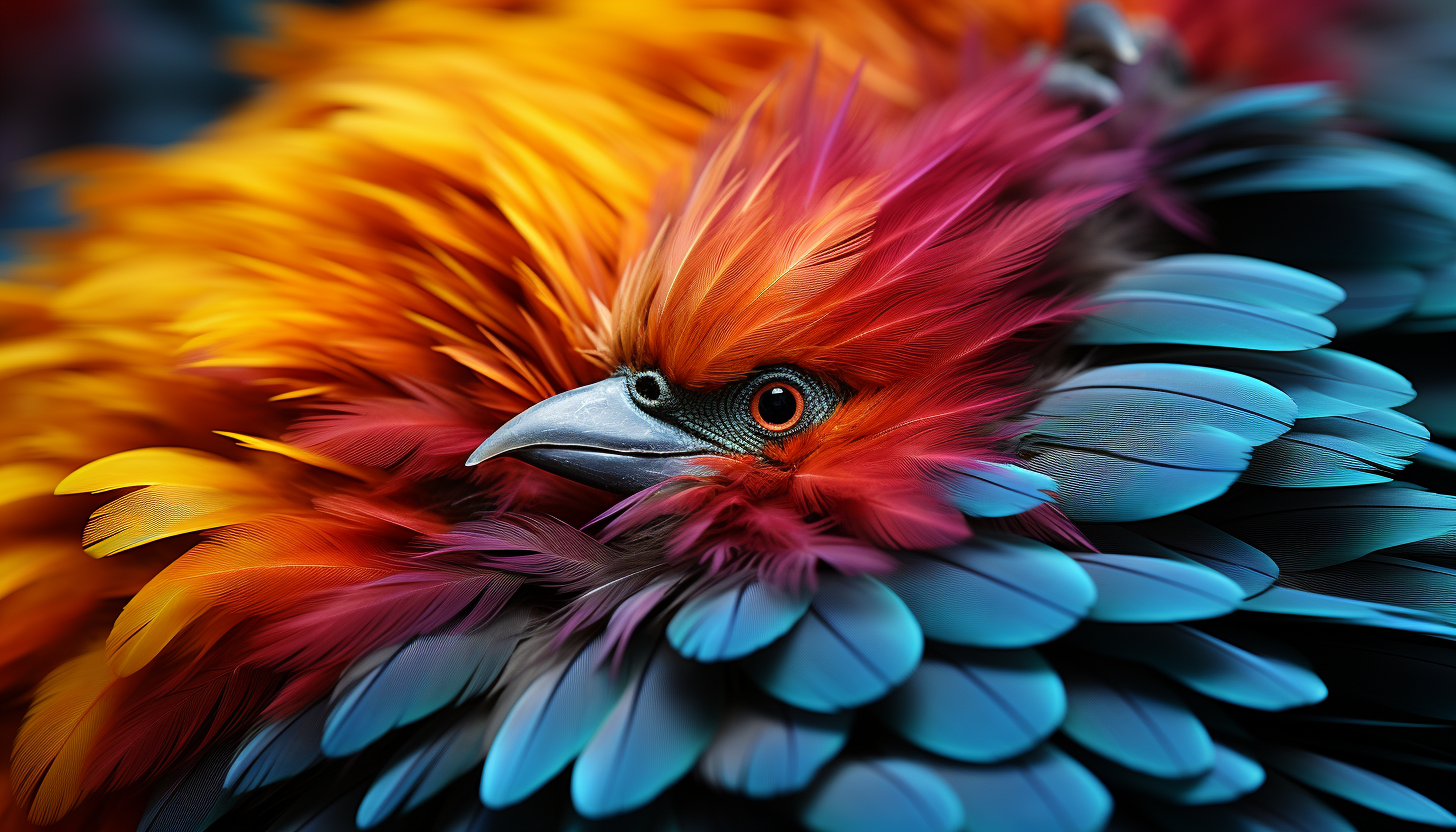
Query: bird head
x,y
840,319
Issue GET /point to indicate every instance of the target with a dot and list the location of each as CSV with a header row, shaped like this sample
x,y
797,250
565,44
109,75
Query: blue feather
x,y
1375,297
1155,397
1156,473
1172,436
1043,791
1293,103
729,622
1281,600
400,685
996,591
1436,310
1305,529
191,799
1356,449
659,727
857,641
278,750
1278,806
1143,316
995,490
1142,590
1233,775
1215,668
1321,382
1357,785
549,725
1228,277
1180,535
1439,456
1136,721
426,765
1382,429
977,706
881,794
1384,579
772,751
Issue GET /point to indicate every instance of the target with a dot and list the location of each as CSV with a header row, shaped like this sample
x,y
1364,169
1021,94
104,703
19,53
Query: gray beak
x,y
598,436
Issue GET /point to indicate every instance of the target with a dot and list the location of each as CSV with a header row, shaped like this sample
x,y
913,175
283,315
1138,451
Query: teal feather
x,y
1232,278
1131,718
1232,776
1043,791
1135,589
857,641
731,621
1183,536
998,490
1142,316
977,706
770,750
1357,785
880,794
995,590
278,750
425,766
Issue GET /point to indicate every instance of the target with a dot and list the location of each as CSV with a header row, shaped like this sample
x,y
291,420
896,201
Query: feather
x,y
432,760
1386,580
732,621
325,810
1321,382
999,490
997,591
772,750
857,641
1135,589
1278,806
191,799
1213,667
1375,297
1181,535
1297,103
1357,785
1305,529
1357,449
278,750
1142,316
1233,775
870,795
399,685
549,724
1136,721
977,706
1282,600
1042,791
660,726
1172,437
1228,277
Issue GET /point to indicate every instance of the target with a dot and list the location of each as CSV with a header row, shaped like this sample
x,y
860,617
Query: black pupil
x,y
777,406
647,388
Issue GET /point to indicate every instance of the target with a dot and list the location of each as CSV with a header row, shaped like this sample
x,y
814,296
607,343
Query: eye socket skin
x,y
777,406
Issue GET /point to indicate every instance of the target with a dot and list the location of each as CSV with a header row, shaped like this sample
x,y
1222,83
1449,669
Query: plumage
x,y
951,414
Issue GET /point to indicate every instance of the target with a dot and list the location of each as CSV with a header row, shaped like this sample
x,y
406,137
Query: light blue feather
x,y
996,590
857,641
549,725
1282,600
998,490
977,706
1296,103
659,727
1136,721
1375,297
1357,785
1385,579
1357,449
1307,528
1171,436
1233,775
1133,589
1278,806
1439,456
1043,791
1436,309
1180,535
1321,382
1261,680
402,684
1151,397
881,794
1141,316
278,750
767,751
1229,277
1156,473
427,764
1384,430
732,621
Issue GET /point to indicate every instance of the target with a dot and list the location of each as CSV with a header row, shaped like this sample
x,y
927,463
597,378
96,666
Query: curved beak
x,y
598,436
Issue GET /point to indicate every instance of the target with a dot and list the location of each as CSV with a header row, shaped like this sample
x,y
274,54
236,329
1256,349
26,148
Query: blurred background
x,y
86,72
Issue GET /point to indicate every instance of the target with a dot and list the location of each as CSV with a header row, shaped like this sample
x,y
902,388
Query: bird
x,y
947,415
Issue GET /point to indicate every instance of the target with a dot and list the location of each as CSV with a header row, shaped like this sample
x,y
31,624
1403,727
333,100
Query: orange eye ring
x,y
764,412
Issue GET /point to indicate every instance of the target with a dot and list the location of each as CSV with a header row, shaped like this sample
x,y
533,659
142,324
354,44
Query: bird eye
x,y
777,406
